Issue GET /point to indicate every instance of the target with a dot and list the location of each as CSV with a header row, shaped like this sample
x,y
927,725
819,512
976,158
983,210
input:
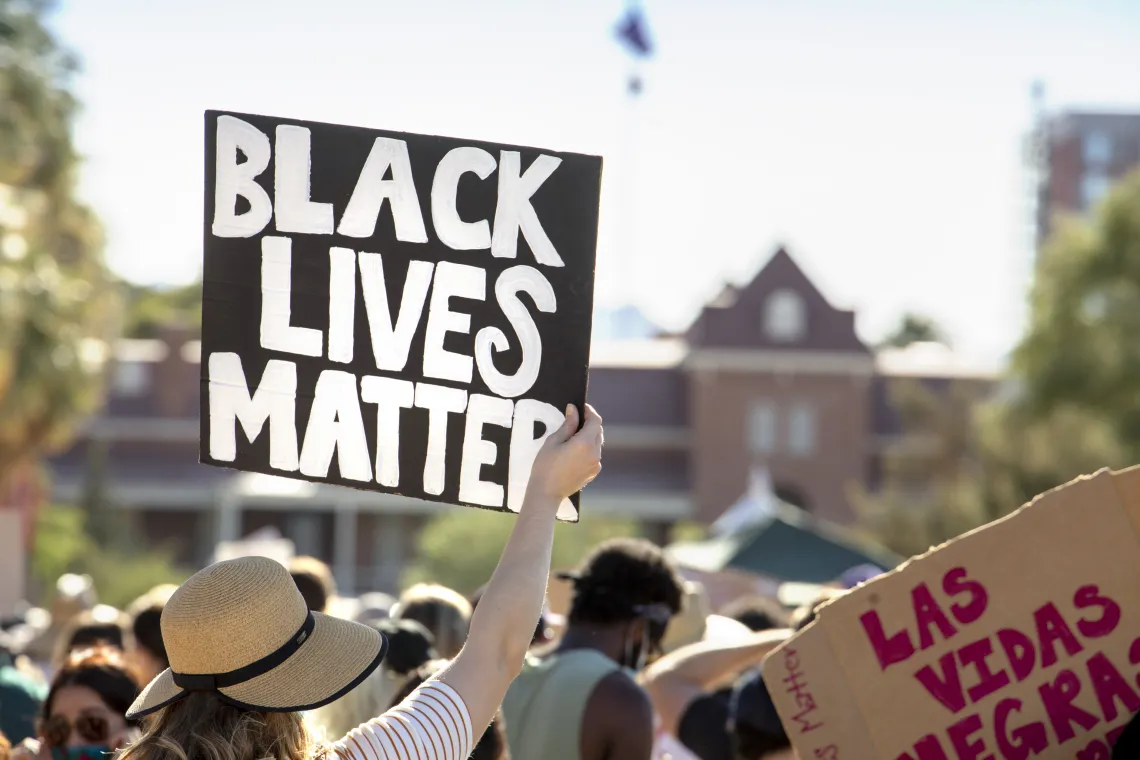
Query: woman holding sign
x,y
247,656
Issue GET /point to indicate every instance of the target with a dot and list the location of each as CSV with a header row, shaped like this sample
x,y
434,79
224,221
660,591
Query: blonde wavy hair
x,y
203,727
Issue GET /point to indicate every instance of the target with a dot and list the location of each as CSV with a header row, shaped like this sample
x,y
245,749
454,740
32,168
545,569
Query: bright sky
x,y
880,141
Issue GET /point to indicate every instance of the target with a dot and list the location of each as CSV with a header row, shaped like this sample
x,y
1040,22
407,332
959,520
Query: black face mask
x,y
636,650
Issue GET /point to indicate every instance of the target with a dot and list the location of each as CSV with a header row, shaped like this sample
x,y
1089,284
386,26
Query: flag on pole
x,y
633,33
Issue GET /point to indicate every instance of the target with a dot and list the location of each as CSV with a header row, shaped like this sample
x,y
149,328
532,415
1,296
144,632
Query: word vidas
x,y
425,360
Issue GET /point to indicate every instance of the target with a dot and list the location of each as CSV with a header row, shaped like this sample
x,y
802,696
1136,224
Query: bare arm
x,y
675,680
618,721
503,623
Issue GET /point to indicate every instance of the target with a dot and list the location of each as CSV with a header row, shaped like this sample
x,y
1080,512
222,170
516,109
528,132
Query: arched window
x,y
785,317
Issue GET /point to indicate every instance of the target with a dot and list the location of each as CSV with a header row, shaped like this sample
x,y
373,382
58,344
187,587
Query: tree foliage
x,y
150,308
460,548
57,308
63,544
1068,405
914,328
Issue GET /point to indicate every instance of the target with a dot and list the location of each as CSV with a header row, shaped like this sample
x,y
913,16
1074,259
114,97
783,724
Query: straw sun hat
x,y
241,628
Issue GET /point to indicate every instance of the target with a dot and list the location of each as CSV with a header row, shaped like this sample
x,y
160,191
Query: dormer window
x,y
785,317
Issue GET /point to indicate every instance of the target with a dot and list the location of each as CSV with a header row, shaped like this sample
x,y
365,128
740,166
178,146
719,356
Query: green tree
x,y
63,544
1081,352
150,308
459,548
914,328
57,310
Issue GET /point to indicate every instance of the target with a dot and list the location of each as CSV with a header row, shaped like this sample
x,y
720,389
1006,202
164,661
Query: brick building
x,y
1079,154
768,375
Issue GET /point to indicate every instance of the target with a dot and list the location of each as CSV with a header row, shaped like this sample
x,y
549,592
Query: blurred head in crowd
x,y
755,727
84,713
543,631
73,594
491,746
805,615
696,622
444,612
315,581
627,586
410,645
102,626
757,612
374,607
148,654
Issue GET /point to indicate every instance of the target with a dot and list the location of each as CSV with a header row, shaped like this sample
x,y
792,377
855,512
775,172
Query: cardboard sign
x,y
1020,639
392,312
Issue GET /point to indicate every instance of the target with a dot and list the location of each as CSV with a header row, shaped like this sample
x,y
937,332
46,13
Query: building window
x,y
131,378
785,317
1097,149
1094,186
801,430
762,428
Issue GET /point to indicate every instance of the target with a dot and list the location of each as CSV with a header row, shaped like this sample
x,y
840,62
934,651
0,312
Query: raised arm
x,y
503,623
674,681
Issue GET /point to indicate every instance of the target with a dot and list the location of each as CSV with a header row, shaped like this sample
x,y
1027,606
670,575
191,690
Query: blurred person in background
x,y
492,745
805,614
148,655
73,594
101,626
444,612
697,622
754,724
20,694
315,581
84,714
543,632
247,655
374,607
758,613
858,575
580,699
692,688
410,646
5,747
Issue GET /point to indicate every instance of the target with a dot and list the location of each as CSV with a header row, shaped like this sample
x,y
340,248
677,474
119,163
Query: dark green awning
x,y
788,546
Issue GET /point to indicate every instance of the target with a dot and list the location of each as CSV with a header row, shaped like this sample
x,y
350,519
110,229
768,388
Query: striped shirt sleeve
x,y
433,723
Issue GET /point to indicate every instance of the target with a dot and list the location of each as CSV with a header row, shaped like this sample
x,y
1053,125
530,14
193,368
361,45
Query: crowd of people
x,y
250,660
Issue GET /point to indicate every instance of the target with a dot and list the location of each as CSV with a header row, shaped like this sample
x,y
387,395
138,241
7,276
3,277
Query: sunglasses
x,y
93,729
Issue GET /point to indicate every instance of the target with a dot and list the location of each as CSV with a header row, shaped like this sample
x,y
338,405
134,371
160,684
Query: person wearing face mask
x,y
580,699
84,714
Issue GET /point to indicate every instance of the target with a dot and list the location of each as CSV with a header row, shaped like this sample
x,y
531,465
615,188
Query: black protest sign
x,y
389,311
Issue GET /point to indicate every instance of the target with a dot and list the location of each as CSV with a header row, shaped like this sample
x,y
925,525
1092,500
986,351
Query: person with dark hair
x,y
410,646
805,615
84,714
579,700
315,581
492,745
102,626
692,688
443,611
757,612
754,724
542,632
148,655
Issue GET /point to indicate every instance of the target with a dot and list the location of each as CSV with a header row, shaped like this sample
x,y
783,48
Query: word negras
x,y
336,418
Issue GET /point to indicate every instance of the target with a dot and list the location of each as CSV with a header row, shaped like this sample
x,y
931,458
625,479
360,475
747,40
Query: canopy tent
x,y
784,543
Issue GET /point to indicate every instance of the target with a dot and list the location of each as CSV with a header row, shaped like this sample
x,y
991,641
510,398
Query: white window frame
x,y
785,316
803,429
763,429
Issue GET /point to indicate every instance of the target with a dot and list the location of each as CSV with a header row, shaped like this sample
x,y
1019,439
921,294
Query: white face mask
x,y
631,664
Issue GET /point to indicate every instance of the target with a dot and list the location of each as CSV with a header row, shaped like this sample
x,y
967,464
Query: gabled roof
x,y
734,318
